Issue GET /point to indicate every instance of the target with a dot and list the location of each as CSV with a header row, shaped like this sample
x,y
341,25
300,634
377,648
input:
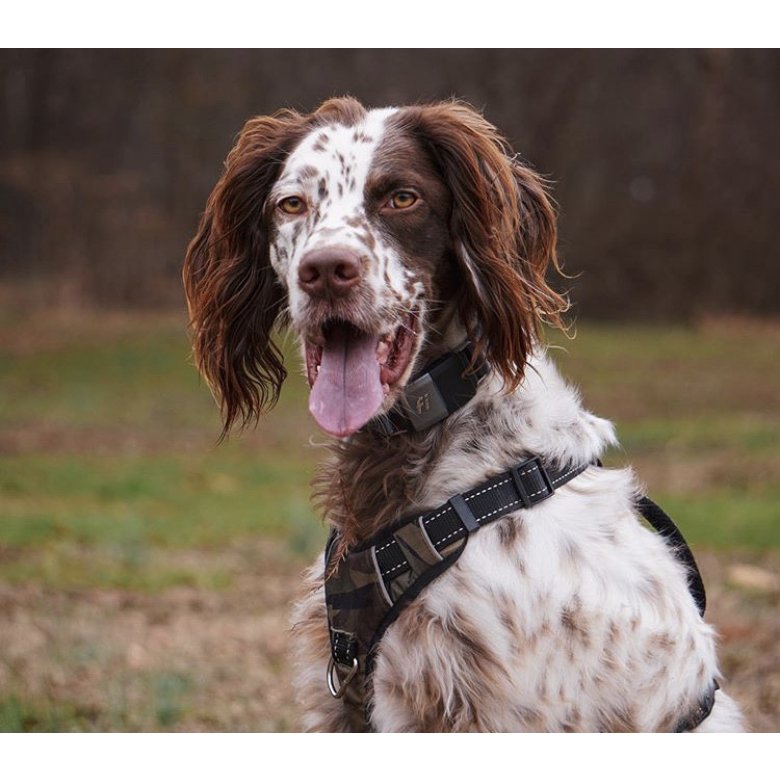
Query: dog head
x,y
383,238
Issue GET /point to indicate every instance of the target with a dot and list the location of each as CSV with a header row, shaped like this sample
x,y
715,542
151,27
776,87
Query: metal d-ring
x,y
335,692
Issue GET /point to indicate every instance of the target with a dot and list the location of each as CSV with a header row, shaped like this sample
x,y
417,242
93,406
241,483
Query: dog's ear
x,y
503,226
233,295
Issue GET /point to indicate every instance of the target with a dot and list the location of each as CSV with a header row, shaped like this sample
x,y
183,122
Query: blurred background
x,y
145,573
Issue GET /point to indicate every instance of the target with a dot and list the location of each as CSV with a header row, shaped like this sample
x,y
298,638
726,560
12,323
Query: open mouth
x,y
351,372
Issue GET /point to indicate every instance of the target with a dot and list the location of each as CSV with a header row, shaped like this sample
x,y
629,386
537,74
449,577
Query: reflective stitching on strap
x,y
443,511
500,509
385,546
391,570
563,476
486,490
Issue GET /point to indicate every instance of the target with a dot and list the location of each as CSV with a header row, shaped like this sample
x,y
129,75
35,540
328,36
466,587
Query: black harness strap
x,y
665,526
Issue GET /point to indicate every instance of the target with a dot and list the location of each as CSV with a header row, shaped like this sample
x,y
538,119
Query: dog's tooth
x,y
382,352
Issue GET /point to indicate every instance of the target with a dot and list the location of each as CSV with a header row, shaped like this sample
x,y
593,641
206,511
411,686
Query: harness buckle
x,y
532,465
338,692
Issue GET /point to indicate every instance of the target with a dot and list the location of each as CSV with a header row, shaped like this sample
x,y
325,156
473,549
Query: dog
x,y
386,240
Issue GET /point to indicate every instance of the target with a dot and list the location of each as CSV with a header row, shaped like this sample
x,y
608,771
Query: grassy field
x,y
146,574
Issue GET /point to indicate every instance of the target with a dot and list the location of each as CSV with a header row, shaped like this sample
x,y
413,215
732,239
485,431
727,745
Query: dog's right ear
x,y
233,294
503,227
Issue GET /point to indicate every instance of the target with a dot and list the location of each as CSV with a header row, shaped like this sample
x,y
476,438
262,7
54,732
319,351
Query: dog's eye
x,y
402,199
292,205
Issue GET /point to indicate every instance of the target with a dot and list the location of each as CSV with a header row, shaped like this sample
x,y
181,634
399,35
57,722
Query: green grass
x,y
20,713
99,522
109,460
155,701
727,518
162,500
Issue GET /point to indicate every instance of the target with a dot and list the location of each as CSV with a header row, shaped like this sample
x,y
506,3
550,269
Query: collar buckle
x,y
442,388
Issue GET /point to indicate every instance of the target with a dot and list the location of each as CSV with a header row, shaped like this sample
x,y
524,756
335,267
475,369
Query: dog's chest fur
x,y
568,616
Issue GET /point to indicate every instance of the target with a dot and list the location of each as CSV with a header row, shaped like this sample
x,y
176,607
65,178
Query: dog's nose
x,y
331,271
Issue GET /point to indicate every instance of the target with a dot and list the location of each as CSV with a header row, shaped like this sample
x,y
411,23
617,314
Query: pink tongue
x,y
347,391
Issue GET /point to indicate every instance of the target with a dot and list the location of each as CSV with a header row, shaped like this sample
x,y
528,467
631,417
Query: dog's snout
x,y
331,271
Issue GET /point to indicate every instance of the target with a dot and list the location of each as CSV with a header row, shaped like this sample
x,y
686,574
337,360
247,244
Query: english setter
x,y
386,239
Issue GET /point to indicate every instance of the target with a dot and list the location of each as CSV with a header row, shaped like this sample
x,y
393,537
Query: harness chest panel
x,y
367,589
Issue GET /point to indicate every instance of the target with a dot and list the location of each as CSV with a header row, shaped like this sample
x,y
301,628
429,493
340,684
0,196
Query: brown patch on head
x,y
366,238
360,137
340,111
421,235
503,229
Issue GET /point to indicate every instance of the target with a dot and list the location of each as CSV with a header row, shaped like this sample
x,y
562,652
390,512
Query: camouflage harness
x,y
366,589
369,587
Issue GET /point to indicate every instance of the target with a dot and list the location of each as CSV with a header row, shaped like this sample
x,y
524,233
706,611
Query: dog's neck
x,y
371,480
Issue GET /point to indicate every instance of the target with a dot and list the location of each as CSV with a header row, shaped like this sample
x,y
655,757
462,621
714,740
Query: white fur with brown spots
x,y
570,616
393,236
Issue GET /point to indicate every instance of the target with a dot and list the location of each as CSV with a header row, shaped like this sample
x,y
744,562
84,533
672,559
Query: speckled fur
x,y
571,616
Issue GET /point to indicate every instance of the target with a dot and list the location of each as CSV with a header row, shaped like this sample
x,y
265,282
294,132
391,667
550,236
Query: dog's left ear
x,y
504,228
233,294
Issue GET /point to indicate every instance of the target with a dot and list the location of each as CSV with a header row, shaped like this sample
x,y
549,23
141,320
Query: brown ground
x,y
194,660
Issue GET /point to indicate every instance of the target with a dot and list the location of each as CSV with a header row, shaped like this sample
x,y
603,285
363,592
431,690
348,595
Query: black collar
x,y
440,389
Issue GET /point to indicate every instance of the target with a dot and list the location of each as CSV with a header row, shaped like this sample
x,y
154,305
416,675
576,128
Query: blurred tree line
x,y
664,163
